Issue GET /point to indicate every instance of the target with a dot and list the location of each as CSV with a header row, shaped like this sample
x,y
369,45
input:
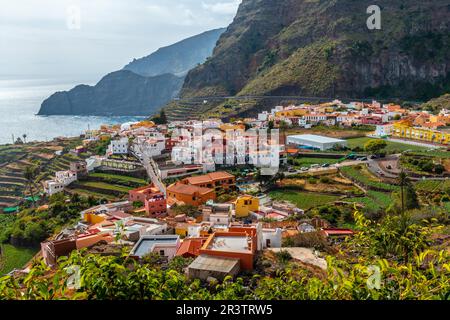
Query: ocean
x,y
20,100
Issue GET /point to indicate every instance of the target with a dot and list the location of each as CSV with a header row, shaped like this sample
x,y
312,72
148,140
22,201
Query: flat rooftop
x,y
234,243
215,264
316,138
146,245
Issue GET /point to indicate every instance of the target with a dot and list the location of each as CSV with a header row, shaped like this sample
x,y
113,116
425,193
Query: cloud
x,y
226,8
35,35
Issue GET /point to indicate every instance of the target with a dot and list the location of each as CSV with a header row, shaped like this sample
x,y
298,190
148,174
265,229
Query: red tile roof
x,y
190,247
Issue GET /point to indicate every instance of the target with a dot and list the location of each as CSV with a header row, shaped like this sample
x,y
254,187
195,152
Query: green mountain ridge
x,y
324,48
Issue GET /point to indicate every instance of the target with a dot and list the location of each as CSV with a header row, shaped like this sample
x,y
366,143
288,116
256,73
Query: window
x,y
161,253
268,243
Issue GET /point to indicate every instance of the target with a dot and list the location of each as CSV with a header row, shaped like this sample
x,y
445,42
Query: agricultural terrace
x,y
303,200
14,257
362,176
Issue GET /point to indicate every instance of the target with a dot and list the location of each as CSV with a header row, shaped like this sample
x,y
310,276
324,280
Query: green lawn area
x,y
373,201
303,200
366,179
105,186
14,257
391,146
306,162
87,193
118,178
433,153
432,185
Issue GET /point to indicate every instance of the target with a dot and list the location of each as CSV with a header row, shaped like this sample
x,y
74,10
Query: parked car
x,y
325,165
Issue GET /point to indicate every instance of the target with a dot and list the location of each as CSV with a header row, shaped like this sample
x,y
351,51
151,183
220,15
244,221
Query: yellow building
x,y
104,137
244,205
291,113
404,129
93,218
181,229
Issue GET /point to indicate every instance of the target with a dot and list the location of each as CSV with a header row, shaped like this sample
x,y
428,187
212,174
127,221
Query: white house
x,y
164,245
118,146
271,238
62,180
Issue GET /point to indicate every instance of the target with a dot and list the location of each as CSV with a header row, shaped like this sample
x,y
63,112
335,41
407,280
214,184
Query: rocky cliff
x,y
324,48
121,93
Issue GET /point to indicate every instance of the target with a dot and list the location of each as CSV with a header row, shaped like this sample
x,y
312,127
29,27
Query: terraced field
x,y
15,257
432,185
365,178
104,185
15,158
374,201
303,200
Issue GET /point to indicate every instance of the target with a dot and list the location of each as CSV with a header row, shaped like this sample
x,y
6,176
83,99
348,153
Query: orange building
x,y
216,180
181,193
238,243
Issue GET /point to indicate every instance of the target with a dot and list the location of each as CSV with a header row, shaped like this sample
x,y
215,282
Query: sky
x,y
86,39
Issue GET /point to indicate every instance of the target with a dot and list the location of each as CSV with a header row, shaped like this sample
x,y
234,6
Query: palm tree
x,y
403,181
30,174
24,138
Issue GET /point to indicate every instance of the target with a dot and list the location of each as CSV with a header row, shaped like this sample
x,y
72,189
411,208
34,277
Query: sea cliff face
x,y
121,93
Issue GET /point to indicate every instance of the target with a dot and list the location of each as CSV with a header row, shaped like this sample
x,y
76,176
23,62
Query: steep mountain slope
x,y
121,93
141,88
324,48
178,58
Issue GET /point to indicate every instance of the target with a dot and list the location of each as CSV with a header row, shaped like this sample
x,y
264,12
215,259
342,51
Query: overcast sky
x,y
42,38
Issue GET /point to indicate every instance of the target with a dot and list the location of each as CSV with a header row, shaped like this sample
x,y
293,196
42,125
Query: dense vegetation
x,y
396,248
33,225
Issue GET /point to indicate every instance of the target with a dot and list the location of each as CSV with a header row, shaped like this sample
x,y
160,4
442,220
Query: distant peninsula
x,y
141,87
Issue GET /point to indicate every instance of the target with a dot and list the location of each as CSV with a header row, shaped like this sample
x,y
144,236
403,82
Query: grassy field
x,y
366,179
14,257
105,186
433,153
118,178
303,200
83,192
432,185
391,146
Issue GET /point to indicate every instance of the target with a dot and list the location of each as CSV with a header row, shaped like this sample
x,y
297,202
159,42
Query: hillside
x,y
121,93
437,104
141,87
178,58
324,48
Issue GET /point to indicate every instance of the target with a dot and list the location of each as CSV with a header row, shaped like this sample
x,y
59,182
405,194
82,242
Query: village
x,y
167,195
